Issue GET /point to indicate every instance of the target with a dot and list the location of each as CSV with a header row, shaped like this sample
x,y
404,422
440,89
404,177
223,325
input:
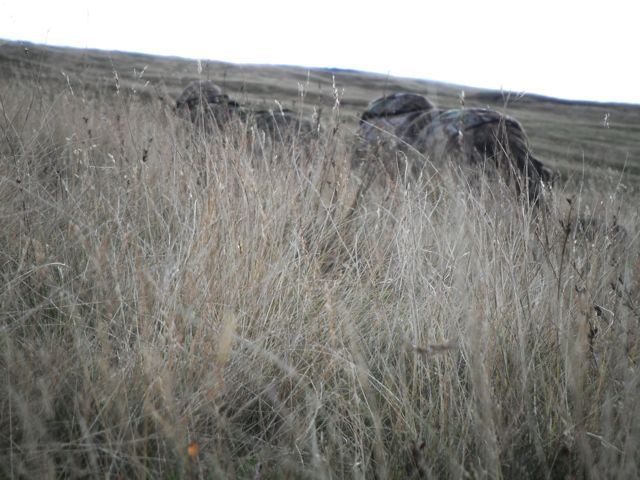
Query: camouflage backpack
x,y
396,104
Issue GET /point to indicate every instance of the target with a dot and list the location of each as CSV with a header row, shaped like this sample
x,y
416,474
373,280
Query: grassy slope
x,y
160,288
569,136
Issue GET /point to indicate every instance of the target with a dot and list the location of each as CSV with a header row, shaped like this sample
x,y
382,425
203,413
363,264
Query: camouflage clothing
x,y
198,92
208,107
280,123
378,124
204,104
397,104
473,135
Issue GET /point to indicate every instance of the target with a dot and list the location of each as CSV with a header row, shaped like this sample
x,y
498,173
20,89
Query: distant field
x,y
576,138
180,304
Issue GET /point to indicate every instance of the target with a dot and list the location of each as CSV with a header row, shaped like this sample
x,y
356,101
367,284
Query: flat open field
x,y
177,304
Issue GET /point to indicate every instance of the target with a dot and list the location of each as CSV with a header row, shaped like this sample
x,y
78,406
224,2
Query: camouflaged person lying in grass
x,y
410,123
205,105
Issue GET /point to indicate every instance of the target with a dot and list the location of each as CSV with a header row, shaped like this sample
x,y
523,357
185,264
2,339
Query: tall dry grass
x,y
181,305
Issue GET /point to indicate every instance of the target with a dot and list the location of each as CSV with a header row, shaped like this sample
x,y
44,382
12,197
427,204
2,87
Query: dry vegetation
x,y
176,305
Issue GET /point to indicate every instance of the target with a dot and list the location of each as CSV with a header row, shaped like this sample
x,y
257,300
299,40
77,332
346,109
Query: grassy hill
x,y
576,138
177,304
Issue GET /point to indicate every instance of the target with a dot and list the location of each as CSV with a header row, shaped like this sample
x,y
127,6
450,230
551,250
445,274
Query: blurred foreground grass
x,y
177,305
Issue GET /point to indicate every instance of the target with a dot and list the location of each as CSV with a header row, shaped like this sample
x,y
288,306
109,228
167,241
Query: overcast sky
x,y
569,49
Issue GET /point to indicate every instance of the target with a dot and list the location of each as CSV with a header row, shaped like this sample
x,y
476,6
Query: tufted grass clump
x,y
182,304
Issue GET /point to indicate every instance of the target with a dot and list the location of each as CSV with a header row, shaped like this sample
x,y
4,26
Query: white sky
x,y
564,48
